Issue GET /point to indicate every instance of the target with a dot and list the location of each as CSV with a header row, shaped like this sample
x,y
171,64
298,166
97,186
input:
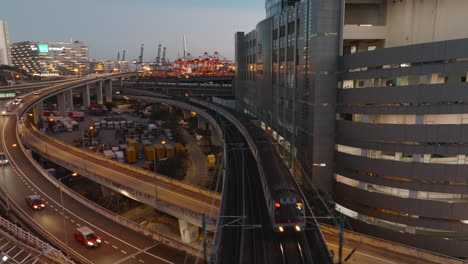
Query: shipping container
x,y
160,151
211,161
170,150
179,147
131,154
149,152
134,143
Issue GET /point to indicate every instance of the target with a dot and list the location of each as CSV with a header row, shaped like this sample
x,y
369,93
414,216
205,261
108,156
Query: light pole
x,y
63,209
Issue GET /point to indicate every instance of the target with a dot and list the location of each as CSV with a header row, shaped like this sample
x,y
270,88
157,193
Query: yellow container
x,y
160,151
134,143
149,152
179,147
170,150
211,160
131,154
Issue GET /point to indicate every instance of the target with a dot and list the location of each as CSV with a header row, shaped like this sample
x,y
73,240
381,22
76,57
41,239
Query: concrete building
x,y
51,58
368,99
101,66
5,52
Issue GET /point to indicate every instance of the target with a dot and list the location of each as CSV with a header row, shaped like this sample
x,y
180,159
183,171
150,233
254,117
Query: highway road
x,y
135,178
190,199
21,178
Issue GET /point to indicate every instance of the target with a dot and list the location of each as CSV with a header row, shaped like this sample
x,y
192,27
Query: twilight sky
x,y
109,26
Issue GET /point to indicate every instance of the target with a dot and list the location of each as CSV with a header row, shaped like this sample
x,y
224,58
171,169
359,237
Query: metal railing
x,y
31,240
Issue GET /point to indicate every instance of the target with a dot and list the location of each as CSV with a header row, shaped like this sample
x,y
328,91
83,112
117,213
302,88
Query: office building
x,y
5,53
111,66
368,101
50,58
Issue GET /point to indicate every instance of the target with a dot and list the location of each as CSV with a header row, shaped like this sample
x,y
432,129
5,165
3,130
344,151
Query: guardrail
x,y
421,254
32,241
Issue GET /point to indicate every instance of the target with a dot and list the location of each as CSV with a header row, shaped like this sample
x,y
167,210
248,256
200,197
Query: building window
x,y
275,34
282,52
282,31
298,23
275,55
291,27
290,53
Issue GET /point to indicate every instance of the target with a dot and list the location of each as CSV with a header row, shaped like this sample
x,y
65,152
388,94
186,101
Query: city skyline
x,y
178,18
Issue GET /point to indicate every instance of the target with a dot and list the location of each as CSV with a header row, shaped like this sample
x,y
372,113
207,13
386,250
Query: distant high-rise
x,y
46,58
5,53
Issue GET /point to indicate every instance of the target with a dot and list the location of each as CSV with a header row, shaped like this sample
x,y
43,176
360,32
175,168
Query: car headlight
x,y
35,206
42,205
281,229
90,243
98,240
298,228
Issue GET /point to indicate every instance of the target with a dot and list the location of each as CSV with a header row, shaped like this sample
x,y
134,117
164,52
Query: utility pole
x,y
341,234
204,239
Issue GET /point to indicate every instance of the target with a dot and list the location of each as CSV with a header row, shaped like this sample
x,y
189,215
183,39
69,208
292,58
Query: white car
x,y
17,101
3,159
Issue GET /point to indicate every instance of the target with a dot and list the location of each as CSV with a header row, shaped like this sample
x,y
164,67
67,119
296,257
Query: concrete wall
x,y
408,22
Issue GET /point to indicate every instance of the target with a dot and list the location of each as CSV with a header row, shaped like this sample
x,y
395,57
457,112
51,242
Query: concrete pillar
x,y
419,119
85,96
423,79
368,83
202,123
38,112
188,232
186,114
61,103
108,91
69,99
99,93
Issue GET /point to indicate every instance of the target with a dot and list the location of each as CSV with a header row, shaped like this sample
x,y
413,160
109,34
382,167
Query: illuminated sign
x,y
43,48
33,47
7,95
59,49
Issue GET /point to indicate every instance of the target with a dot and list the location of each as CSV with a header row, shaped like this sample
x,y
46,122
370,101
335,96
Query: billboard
x,y
43,48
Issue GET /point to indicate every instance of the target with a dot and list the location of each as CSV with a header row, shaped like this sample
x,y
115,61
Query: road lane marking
x,y
141,261
114,247
28,181
123,251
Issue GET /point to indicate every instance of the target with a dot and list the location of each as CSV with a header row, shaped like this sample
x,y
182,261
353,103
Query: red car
x,y
86,236
35,201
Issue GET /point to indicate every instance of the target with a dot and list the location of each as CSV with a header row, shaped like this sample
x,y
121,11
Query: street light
x,y
63,208
4,257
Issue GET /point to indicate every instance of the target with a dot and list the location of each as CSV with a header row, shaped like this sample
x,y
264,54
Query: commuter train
x,y
282,195
284,200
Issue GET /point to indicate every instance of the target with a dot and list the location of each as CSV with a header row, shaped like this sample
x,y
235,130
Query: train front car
x,y
289,214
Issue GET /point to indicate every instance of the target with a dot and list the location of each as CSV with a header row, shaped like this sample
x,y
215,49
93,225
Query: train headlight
x,y
281,229
298,228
